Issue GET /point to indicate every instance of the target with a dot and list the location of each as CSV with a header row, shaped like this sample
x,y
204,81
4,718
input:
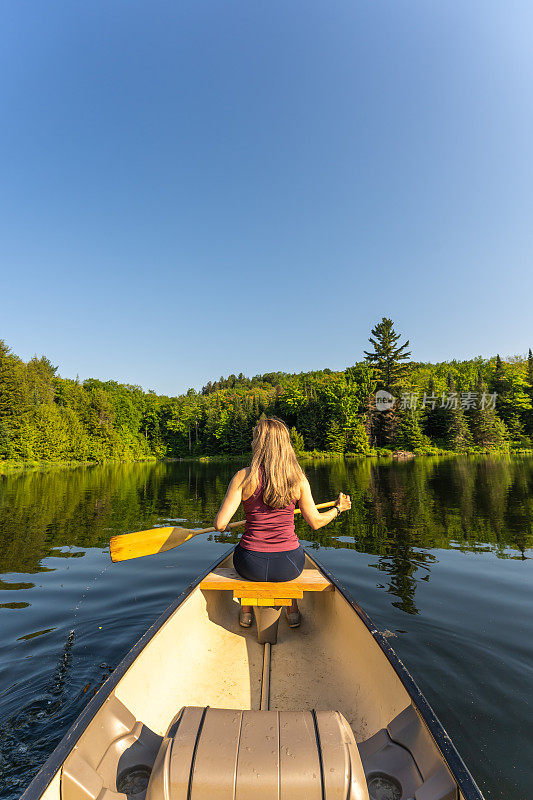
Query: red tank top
x,y
267,529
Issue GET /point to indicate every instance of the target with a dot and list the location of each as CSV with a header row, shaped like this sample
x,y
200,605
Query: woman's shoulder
x,y
241,475
303,482
240,478
237,482
248,486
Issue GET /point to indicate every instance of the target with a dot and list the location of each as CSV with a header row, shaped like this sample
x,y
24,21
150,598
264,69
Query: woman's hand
x,y
344,502
310,512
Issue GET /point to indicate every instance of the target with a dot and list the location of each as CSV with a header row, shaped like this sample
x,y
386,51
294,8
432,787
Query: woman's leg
x,y
252,567
286,567
275,567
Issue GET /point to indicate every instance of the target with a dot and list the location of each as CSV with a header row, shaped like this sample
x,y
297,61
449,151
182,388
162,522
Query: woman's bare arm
x,y
314,518
231,502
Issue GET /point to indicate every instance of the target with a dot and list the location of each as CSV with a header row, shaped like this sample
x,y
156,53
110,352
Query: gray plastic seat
x,y
258,755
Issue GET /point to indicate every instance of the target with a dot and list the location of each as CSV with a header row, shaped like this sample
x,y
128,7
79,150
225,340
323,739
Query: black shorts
x,y
254,566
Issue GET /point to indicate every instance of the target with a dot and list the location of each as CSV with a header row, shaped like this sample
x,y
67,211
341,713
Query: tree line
x,y
462,406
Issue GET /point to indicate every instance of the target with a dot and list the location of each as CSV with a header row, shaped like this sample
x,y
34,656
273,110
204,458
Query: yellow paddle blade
x,y
147,543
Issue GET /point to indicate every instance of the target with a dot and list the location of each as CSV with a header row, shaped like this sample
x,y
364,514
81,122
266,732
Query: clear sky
x,y
195,188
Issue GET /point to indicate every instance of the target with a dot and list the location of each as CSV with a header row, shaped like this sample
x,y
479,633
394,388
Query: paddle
x,y
159,540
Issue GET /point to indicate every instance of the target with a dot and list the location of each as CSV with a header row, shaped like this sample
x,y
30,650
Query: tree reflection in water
x,y
401,511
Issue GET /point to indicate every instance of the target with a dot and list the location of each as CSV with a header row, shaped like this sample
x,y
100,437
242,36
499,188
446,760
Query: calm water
x,y
437,551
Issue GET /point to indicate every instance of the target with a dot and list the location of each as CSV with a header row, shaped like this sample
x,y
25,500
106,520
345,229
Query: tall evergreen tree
x,y
500,382
383,425
434,416
409,434
458,434
513,400
10,384
488,431
5,440
297,440
529,415
387,355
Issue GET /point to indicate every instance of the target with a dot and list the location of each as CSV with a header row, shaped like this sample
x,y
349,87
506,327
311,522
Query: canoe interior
x,y
200,656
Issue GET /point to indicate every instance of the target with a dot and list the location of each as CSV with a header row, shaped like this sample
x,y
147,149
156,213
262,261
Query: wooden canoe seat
x,y
252,593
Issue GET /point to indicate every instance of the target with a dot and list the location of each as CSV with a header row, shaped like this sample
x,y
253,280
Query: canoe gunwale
x,y
446,747
55,760
57,757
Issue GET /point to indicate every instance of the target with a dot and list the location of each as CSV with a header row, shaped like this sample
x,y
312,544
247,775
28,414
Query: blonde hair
x,y
273,452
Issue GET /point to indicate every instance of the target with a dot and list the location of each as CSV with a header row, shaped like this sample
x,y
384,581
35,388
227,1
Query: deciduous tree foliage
x,y
44,417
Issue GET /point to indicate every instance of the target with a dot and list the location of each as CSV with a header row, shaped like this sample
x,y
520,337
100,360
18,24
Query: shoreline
x,y
7,467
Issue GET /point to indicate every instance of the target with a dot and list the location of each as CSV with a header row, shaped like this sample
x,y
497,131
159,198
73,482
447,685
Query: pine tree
x,y
444,418
409,435
297,441
357,439
5,440
434,416
529,416
335,437
513,400
500,382
383,425
387,355
458,434
488,431
11,396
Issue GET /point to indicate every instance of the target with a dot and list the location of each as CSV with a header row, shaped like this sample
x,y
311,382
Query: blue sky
x,y
192,189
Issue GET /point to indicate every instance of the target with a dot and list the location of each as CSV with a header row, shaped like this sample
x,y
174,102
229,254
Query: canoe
x,y
202,708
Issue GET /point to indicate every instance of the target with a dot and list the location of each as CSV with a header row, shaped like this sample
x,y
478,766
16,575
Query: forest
x,y
476,405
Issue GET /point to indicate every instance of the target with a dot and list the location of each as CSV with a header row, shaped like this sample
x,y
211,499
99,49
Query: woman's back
x,y
267,529
269,489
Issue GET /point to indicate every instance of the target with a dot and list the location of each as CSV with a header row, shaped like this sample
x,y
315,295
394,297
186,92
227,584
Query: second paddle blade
x,y
147,543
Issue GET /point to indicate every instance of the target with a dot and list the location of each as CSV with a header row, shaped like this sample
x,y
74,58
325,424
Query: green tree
x,y
5,440
46,417
435,419
529,415
11,401
357,438
513,399
297,441
458,436
488,431
387,356
409,435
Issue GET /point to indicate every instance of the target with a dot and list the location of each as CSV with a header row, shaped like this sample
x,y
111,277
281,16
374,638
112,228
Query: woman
x,y
269,489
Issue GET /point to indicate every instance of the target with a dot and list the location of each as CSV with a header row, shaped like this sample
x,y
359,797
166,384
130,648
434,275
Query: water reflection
x,y
400,511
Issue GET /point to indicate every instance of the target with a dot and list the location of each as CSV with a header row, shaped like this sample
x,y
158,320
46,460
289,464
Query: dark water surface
x,y
438,552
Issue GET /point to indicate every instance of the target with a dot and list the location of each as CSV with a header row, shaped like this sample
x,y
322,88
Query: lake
x,y
438,552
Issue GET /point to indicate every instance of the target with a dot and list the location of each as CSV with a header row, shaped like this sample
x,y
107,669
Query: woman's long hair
x,y
272,452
